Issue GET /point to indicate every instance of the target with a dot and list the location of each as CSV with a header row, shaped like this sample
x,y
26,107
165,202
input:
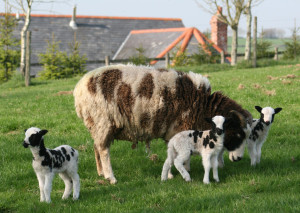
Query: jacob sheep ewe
x,y
138,103
207,143
259,132
47,162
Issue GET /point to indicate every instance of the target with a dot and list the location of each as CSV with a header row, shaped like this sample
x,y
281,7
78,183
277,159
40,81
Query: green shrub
x,y
58,64
140,58
9,56
293,47
202,57
180,58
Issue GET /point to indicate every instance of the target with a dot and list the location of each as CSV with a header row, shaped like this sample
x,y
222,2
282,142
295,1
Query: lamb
x,y
138,103
207,143
259,132
47,162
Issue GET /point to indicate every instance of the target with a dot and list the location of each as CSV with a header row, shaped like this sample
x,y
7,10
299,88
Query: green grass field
x,y
272,186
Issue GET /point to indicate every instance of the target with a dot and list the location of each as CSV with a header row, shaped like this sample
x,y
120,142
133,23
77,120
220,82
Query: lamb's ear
x,y
258,108
208,120
277,110
25,130
43,132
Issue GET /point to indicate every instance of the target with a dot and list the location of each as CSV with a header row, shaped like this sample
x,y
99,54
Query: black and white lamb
x,y
47,162
259,132
207,143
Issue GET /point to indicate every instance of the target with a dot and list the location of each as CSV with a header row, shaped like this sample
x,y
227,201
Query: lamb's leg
x,y
214,163
207,165
166,171
68,184
178,162
258,150
221,159
41,179
252,152
187,165
48,186
76,185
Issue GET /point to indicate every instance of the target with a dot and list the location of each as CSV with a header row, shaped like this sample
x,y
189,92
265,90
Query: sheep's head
x,y
237,130
33,136
267,114
217,124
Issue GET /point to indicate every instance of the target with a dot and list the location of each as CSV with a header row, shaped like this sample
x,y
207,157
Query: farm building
x,y
117,37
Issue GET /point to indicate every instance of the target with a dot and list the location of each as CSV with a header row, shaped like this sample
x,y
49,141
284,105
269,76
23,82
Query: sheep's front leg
x,y
41,179
207,165
178,162
214,163
48,186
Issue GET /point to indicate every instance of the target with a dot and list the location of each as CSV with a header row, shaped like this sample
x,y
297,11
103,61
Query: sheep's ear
x,y
208,120
25,130
43,132
277,110
258,108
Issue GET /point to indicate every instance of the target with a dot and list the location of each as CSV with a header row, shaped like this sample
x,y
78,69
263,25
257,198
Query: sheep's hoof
x,y
112,180
170,176
206,182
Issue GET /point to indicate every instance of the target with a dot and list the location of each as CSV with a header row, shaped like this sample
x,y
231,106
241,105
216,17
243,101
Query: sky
x,y
280,14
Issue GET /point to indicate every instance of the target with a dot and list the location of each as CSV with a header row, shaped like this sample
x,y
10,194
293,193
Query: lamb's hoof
x,y
75,198
206,182
188,179
217,180
170,176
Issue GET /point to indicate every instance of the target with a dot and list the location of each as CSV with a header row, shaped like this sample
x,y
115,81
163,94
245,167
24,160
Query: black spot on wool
x,y
200,134
212,135
211,145
254,133
195,134
72,153
206,141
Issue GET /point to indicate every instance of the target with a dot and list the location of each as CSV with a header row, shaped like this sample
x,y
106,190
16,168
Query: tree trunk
x,y
248,37
23,38
254,42
234,44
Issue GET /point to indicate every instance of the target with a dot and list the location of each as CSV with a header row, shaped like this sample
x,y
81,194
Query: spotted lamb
x,y
47,162
259,132
207,143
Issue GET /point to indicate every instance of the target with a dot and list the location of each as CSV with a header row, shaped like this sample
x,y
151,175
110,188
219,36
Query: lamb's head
x,y
217,123
33,137
237,130
267,114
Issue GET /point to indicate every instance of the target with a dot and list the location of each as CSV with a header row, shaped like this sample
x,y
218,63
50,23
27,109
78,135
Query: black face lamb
x,y
47,162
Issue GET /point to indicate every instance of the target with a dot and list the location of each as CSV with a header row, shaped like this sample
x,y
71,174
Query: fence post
x,y
222,57
27,59
167,60
254,41
276,54
107,60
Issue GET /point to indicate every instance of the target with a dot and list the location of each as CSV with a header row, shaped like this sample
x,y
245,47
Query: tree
x,y
232,7
8,53
292,47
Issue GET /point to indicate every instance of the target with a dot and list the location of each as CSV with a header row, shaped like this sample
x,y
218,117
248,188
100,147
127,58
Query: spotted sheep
x,y
47,162
207,143
259,132
138,103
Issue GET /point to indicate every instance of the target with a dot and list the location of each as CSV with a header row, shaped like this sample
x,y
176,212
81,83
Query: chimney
x,y
219,31
73,24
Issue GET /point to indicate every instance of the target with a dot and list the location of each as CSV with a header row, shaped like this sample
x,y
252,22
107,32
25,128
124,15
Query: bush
x,y
58,64
263,47
293,47
202,57
140,58
9,56
180,58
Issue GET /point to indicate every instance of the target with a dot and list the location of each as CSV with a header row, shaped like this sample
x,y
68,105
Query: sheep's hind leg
x,y
98,161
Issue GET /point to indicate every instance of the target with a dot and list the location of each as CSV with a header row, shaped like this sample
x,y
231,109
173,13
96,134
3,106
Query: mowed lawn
x,y
271,186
